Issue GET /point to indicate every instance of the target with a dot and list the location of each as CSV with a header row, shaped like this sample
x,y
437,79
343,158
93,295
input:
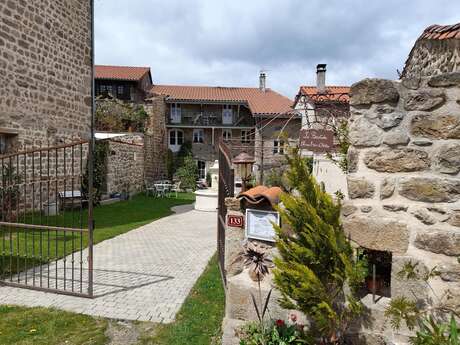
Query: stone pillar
x,y
404,183
155,139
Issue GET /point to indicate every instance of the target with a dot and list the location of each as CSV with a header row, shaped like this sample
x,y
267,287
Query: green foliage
x,y
170,164
9,191
101,148
430,321
316,259
274,333
115,115
188,173
341,134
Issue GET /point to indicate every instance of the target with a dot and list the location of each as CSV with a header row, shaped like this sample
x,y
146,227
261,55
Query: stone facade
x,y
45,67
405,194
155,139
125,164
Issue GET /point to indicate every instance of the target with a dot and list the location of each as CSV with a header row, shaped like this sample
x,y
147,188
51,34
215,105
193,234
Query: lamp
x,y
244,163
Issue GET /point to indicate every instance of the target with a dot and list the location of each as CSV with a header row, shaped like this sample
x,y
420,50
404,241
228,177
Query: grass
x,y
199,320
20,249
197,323
40,326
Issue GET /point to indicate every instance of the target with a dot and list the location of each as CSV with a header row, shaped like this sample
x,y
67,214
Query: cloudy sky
x,y
227,42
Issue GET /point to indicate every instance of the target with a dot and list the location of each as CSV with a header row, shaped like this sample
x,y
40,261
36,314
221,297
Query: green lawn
x,y
199,320
19,249
40,326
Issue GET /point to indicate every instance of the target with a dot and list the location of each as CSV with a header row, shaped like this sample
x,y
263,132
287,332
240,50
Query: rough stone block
x,y
412,289
454,218
364,134
378,233
348,209
424,216
373,90
395,207
436,126
430,189
359,187
387,187
439,241
448,158
424,99
397,160
229,331
353,159
450,272
445,80
396,138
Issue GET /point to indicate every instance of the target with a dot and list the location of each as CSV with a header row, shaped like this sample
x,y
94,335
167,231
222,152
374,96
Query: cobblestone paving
x,y
144,274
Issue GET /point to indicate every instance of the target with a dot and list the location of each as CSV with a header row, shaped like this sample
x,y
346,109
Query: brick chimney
x,y
321,77
262,81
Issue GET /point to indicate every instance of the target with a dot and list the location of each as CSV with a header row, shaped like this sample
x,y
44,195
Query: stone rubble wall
x,y
155,139
45,68
433,57
404,181
125,164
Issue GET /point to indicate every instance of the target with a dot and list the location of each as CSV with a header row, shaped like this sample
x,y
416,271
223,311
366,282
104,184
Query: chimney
x,y
321,77
262,81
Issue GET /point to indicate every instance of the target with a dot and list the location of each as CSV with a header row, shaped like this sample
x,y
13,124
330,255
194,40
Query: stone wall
x,y
404,182
125,164
432,57
45,68
155,137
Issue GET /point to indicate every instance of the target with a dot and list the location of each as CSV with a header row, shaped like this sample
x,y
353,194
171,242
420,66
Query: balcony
x,y
208,119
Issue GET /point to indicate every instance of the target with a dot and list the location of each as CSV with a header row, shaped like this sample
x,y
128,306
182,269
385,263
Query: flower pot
x,y
377,286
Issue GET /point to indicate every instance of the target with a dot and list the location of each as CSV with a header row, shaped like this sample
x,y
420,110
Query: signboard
x,y
235,221
259,224
317,140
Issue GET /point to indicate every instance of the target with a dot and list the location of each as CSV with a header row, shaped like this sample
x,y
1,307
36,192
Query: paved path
x,y
144,274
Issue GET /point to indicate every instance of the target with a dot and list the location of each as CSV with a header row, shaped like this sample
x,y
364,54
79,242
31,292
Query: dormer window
x,y
176,113
227,115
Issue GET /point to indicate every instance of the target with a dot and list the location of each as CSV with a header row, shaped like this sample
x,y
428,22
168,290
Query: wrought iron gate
x,y
226,189
46,226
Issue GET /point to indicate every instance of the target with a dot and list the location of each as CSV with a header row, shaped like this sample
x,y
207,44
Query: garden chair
x,y
149,190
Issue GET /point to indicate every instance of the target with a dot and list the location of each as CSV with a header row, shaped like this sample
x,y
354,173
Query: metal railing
x,y
45,224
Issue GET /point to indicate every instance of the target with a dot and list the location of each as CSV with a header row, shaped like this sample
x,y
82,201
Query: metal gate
x,y
226,189
46,226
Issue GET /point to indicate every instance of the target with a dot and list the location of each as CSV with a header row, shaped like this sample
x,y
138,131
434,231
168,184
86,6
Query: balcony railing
x,y
203,119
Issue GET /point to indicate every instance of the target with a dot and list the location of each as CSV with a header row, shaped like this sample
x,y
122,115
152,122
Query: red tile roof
x,y
333,93
259,102
120,72
441,32
260,194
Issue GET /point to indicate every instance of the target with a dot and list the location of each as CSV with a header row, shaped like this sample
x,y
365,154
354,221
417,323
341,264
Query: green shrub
x,y
273,333
188,173
316,260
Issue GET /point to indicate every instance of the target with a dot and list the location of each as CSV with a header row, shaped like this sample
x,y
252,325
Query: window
x,y
198,136
120,91
227,134
245,136
176,113
201,170
278,146
379,265
227,115
176,139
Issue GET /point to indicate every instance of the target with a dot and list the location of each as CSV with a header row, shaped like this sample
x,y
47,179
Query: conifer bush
x,y
316,271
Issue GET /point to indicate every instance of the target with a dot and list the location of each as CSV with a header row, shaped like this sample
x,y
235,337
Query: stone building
x,y
204,115
45,68
436,51
126,83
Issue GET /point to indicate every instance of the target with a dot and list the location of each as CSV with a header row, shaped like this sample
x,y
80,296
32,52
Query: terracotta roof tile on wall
x,y
120,72
260,102
333,93
441,32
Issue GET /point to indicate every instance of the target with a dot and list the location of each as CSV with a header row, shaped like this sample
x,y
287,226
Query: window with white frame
x,y
278,146
245,136
227,134
227,115
201,170
198,136
176,139
176,113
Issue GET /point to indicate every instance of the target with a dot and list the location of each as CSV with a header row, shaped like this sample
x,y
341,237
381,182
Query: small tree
x,y
188,173
316,261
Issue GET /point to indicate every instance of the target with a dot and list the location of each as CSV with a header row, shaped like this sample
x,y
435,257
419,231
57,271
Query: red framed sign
x,y
235,221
